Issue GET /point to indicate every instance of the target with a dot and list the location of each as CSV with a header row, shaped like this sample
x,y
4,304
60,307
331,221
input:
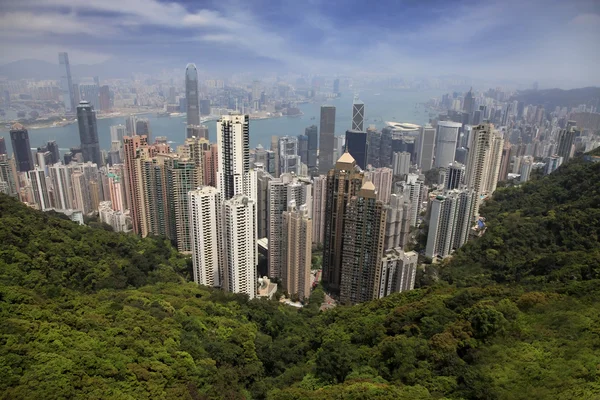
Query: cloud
x,y
591,20
29,24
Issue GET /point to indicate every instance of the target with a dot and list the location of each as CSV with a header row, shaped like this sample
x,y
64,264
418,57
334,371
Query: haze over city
x,y
553,42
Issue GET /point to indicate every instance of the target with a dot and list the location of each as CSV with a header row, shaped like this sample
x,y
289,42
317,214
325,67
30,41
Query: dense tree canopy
x,y
90,314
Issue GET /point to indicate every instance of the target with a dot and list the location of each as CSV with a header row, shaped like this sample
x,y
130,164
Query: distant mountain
x,y
550,98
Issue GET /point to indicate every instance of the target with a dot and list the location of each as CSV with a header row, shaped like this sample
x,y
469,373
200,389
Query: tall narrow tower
x,y
191,95
88,133
358,114
326,138
66,84
233,171
21,148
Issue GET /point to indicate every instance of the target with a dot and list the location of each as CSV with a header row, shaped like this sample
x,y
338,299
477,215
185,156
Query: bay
x,y
390,105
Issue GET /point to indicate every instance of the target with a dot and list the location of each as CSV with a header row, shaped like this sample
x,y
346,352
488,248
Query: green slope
x,y
90,314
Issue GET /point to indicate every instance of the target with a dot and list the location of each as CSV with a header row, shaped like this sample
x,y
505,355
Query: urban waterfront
x,y
391,105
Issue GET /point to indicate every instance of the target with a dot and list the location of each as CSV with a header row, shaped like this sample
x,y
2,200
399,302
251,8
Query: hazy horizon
x,y
551,42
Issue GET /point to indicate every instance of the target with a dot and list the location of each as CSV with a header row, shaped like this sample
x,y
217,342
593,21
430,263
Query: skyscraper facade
x,y
363,245
233,140
66,83
206,235
401,163
41,196
131,146
88,133
21,148
426,147
382,179
356,145
289,160
343,182
313,146
566,138
191,95
397,226
445,146
2,145
326,139
358,115
454,177
62,186
398,272
319,201
297,250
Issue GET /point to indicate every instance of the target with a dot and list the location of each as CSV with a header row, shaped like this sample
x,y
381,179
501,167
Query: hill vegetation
x,y
552,98
91,314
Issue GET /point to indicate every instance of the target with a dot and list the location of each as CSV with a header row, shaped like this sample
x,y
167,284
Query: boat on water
x,y
163,114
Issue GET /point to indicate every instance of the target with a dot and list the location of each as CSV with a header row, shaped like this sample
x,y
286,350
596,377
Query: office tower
x,y
239,245
8,175
382,179
356,145
62,187
205,107
313,145
88,133
398,272
130,125
461,155
116,191
318,208
2,146
450,222
504,162
199,131
233,172
343,182
526,167
397,225
326,140
297,250
289,160
54,151
262,202
44,159
339,143
275,150
374,147
483,168
303,148
210,165
455,175
401,163
552,164
281,192
142,127
469,102
336,86
206,235
104,98
191,95
81,193
182,179
414,190
445,145
41,196
358,115
131,146
66,84
426,147
21,148
363,245
566,138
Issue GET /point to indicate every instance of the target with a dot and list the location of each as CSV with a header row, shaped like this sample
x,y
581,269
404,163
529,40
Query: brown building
x,y
297,249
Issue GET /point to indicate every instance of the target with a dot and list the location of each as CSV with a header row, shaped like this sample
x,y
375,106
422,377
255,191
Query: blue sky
x,y
511,39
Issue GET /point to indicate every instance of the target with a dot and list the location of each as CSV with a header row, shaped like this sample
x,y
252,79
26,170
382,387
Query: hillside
x,y
551,98
91,314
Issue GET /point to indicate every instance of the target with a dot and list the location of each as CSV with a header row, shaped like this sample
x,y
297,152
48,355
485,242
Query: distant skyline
x,y
554,42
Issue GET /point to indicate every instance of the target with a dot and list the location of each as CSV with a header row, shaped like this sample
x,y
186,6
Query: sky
x,y
550,41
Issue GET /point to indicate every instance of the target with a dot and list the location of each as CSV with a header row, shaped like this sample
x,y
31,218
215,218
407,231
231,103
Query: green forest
x,y
90,314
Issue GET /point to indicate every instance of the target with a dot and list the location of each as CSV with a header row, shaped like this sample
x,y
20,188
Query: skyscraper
x,y
414,190
358,114
398,272
131,145
191,95
343,182
262,202
289,160
66,84
401,163
21,148
206,235
81,193
356,145
88,133
449,223
210,165
2,145
382,179
455,174
142,127
313,146
566,138
318,209
281,192
483,167
91,94
426,148
297,250
54,151
446,139
397,225
182,179
62,186
469,102
326,140
303,148
8,175
363,245
104,98
233,139
37,178
239,245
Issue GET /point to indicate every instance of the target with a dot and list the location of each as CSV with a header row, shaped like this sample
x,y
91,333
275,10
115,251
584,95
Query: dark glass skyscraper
x,y
356,145
88,133
191,95
54,152
313,145
326,139
21,148
2,146
358,115
66,84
